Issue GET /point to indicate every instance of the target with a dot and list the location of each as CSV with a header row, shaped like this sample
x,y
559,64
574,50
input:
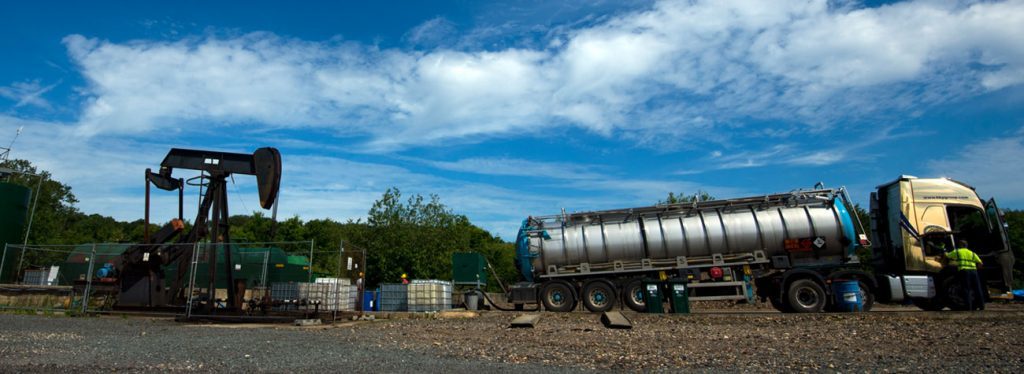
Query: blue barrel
x,y
369,301
848,296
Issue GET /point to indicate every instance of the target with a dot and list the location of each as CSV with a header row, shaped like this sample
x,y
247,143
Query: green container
x,y
469,268
653,297
280,267
679,294
14,201
76,266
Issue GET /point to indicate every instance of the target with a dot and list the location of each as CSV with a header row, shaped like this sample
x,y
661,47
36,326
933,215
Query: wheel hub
x,y
598,297
806,297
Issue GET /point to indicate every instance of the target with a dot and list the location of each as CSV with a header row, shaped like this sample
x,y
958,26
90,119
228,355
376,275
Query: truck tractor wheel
x,y
779,305
805,296
598,296
934,304
558,296
633,296
953,294
867,298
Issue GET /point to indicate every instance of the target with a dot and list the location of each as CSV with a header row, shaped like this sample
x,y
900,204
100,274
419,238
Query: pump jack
x,y
141,277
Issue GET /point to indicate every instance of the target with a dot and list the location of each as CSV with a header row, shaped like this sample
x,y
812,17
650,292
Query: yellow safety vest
x,y
964,259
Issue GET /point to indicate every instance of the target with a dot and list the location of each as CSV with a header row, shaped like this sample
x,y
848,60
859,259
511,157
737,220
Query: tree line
x,y
411,234
415,235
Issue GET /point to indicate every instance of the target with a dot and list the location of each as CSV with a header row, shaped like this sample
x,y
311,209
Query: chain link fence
x,y
270,278
90,278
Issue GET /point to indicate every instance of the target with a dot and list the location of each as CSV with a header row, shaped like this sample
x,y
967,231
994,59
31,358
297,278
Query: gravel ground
x,y
737,340
62,344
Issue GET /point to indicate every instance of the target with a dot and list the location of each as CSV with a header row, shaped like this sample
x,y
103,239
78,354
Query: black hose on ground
x,y
498,307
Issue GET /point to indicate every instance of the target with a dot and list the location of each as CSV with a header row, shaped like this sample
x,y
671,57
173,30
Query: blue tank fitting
x,y
523,256
106,271
848,229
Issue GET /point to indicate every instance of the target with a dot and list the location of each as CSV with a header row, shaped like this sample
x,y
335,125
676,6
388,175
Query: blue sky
x,y
510,109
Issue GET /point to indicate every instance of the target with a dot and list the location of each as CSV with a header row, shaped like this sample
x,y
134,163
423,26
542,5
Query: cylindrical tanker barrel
x,y
774,224
14,200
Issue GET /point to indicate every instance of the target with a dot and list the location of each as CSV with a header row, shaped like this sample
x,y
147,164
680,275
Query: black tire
x,y
806,296
952,293
779,305
932,305
867,297
598,296
518,307
633,296
558,296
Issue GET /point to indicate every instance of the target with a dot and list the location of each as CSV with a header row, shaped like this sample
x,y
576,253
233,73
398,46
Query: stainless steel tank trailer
x,y
784,248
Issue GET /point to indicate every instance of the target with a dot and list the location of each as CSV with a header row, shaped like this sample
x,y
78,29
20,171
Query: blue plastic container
x,y
369,301
848,296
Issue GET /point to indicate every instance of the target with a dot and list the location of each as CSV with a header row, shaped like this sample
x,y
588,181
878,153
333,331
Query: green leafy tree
x,y
674,198
418,236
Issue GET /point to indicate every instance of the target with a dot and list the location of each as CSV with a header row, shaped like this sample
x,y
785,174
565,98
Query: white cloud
x,y
432,33
817,152
28,93
993,166
671,71
518,167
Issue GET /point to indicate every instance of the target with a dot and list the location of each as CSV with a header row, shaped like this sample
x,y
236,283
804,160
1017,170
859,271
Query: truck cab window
x,y
937,244
972,225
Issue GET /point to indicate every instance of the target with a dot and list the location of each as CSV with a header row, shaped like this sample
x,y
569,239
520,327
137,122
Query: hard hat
x,y
403,275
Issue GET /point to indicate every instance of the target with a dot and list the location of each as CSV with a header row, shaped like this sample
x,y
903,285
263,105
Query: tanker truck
x,y
785,249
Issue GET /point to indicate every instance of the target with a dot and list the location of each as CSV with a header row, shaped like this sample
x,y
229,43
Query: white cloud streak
x,y
816,153
28,94
518,167
676,69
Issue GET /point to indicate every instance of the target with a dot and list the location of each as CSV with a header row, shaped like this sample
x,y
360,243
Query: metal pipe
x,y
192,281
28,230
311,242
181,199
3,260
145,230
35,203
88,279
341,254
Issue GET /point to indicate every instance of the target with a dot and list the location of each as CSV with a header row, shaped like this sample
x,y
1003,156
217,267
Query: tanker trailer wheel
x,y
598,296
806,296
633,296
558,296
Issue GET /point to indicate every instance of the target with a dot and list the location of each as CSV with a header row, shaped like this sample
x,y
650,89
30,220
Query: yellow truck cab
x,y
915,220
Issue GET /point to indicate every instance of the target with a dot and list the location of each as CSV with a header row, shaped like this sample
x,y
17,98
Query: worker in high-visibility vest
x,y
967,263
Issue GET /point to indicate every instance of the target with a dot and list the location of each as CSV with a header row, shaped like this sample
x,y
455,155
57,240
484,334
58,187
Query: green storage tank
x,y
14,201
469,268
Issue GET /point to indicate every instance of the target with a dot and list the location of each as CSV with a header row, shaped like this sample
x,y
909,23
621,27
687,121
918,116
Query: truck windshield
x,y
972,224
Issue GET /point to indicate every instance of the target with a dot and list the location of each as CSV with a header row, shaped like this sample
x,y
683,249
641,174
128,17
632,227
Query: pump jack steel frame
x,y
140,275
